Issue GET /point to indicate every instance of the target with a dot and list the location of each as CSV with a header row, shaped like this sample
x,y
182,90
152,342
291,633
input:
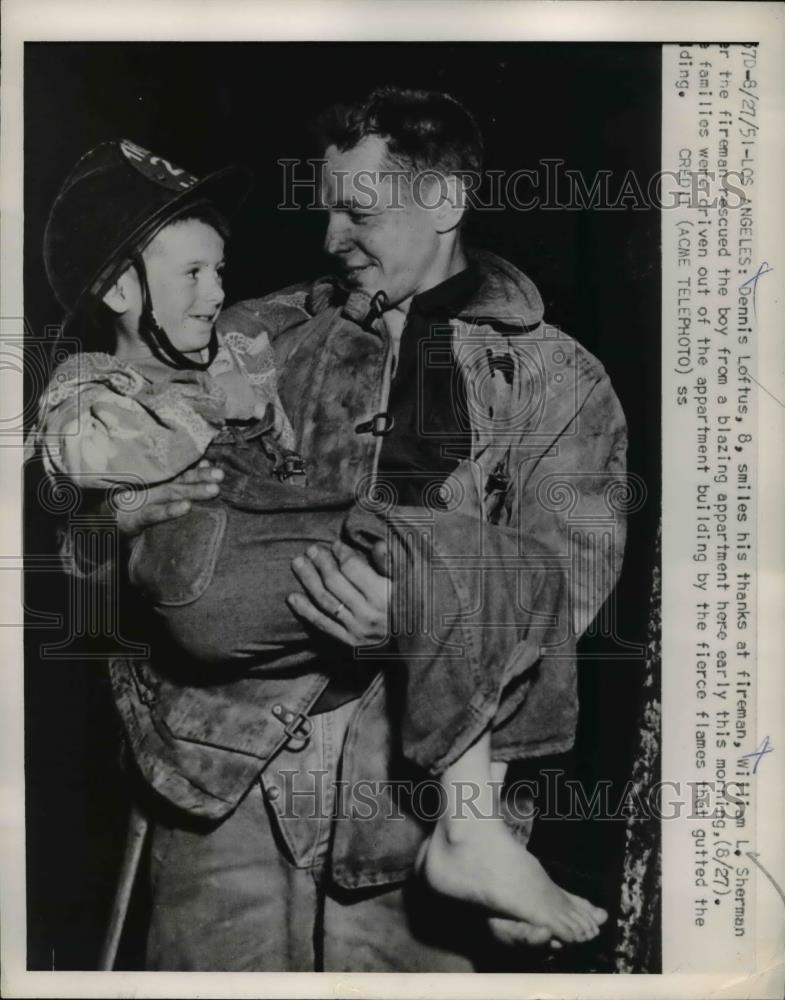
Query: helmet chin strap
x,y
156,336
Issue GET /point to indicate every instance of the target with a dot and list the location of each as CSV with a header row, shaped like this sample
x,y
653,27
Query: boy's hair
x,y
425,130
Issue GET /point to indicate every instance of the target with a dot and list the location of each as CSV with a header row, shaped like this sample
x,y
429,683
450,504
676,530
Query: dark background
x,y
596,106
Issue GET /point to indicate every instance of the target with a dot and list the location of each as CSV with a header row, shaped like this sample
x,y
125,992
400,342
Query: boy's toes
x,y
588,929
588,925
568,928
594,913
591,930
518,932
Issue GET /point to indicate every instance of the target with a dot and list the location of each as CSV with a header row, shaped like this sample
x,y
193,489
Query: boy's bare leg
x,y
517,932
474,856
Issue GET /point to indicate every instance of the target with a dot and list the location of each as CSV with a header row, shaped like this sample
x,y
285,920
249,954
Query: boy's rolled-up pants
x,y
468,619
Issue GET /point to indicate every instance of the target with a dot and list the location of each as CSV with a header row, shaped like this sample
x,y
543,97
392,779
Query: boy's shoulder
x,y
94,366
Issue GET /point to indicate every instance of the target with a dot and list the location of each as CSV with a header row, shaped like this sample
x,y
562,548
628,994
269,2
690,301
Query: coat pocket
x,y
172,564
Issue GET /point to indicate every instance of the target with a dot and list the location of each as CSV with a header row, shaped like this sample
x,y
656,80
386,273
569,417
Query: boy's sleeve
x,y
102,423
273,314
254,362
276,317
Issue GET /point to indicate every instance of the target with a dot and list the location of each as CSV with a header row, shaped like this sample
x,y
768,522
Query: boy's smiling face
x,y
184,265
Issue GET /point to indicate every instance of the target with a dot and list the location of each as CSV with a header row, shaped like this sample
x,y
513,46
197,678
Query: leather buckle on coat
x,y
379,425
297,727
498,480
502,363
298,732
293,465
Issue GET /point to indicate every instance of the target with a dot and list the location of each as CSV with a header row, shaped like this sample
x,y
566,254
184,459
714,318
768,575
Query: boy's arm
x,y
279,316
273,315
103,424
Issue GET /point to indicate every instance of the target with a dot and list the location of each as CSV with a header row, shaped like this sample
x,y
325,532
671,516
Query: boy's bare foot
x,y
481,861
517,932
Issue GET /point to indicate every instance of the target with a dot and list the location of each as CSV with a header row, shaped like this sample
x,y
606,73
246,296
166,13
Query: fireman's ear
x,y
451,204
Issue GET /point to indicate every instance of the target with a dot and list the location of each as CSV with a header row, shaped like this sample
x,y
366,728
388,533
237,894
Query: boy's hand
x,y
344,595
169,500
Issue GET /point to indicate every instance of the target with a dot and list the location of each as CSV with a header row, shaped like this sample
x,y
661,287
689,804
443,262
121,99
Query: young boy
x,y
162,392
